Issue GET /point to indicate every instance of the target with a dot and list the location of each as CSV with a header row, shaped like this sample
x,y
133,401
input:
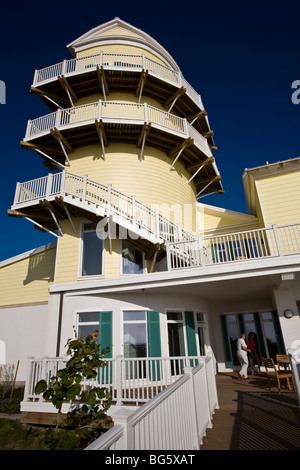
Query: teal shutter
x,y
278,333
241,323
154,343
105,339
190,334
260,336
227,348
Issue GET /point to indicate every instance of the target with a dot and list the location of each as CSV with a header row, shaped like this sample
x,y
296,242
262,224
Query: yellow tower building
x,y
166,279
133,141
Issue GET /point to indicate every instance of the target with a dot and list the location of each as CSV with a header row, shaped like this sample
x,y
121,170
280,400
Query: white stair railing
x,y
113,201
176,418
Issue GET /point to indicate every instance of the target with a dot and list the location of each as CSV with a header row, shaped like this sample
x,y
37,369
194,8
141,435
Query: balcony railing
x,y
112,111
275,241
111,61
111,200
132,380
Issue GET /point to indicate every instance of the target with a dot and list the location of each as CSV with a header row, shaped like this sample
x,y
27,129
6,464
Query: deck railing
x,y
113,111
113,201
112,61
128,380
175,419
275,241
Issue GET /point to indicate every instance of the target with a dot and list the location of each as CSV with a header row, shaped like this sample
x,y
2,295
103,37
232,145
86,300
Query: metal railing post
x,y
157,231
277,241
84,187
49,185
133,209
169,266
17,193
58,118
64,67
63,181
201,251
118,377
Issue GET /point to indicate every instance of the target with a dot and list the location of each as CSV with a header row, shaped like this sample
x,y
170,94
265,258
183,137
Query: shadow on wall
x,y
41,267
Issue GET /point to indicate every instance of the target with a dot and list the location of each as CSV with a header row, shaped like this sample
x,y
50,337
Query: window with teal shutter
x,y
154,343
191,334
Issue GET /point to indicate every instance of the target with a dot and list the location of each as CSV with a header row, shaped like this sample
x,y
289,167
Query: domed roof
x,y
118,31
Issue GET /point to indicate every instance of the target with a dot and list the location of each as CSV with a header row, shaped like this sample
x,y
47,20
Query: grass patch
x,y
17,436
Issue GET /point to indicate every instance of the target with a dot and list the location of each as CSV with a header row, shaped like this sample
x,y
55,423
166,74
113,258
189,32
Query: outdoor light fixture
x,y
288,313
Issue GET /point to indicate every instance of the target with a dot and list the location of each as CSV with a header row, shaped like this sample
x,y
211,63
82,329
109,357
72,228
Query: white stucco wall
x,y
23,330
73,304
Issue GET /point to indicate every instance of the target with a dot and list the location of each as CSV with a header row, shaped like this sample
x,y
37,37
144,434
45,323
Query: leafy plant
x,y
84,422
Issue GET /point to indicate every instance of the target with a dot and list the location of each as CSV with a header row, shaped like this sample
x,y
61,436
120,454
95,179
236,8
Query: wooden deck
x,y
252,417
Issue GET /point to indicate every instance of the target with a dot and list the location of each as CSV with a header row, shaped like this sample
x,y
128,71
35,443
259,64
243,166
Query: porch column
x,y
285,300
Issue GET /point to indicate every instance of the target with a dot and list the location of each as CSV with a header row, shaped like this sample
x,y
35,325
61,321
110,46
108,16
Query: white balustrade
x,y
184,250
179,396
262,243
129,380
176,418
109,61
113,201
111,111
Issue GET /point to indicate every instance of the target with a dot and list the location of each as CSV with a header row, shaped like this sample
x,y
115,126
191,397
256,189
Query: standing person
x,y
242,355
254,357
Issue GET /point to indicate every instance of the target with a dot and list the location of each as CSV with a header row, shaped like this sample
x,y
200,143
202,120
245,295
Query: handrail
x,y
112,200
176,418
114,111
113,61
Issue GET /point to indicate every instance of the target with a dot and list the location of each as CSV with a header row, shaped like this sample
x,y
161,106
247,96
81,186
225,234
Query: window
x,y
88,322
132,259
135,334
266,327
92,251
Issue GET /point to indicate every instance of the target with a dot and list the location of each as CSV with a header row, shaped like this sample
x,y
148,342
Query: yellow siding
x,y
27,280
279,197
112,261
118,49
119,32
119,97
150,181
68,255
225,221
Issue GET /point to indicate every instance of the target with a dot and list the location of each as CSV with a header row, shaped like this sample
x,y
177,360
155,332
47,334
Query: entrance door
x,y
201,333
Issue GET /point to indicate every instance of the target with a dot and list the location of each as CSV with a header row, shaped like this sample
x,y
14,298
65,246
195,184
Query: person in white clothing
x,y
242,351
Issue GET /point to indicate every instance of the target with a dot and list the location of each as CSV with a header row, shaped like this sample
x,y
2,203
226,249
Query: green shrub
x,y
84,423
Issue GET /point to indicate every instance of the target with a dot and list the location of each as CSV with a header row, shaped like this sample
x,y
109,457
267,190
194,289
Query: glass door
x,y
201,333
135,343
176,340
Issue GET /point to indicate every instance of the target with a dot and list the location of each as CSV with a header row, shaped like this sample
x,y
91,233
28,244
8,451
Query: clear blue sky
x,y
241,56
